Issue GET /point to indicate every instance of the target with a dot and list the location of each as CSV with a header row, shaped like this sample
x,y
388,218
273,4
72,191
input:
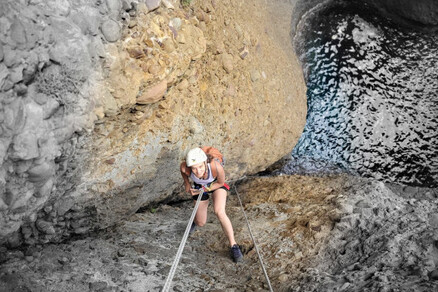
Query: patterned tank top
x,y
201,181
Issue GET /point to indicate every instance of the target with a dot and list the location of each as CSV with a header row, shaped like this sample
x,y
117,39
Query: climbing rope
x,y
168,282
253,240
171,274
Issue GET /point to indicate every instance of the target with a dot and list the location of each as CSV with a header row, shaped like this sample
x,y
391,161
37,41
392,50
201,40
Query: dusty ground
x,y
335,233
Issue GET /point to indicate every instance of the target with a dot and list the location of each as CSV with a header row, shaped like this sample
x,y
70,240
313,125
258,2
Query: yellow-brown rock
x,y
206,103
153,93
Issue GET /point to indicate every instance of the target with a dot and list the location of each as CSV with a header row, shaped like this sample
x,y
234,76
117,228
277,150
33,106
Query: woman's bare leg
x,y
219,200
201,214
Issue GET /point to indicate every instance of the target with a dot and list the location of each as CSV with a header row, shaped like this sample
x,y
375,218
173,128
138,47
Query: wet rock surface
x,y
372,98
336,233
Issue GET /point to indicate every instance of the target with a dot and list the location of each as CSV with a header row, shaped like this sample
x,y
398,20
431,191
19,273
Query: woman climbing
x,y
208,177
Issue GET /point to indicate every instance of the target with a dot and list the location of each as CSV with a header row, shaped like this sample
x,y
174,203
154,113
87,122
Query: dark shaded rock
x,y
45,227
63,206
434,275
98,286
424,12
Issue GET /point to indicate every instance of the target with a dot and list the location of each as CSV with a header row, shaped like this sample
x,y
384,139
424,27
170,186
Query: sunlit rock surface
x,y
101,100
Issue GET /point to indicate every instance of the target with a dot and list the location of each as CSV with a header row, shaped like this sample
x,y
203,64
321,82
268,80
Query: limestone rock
x,y
152,4
153,93
45,190
41,173
45,227
25,146
18,33
227,62
114,6
4,73
3,205
111,30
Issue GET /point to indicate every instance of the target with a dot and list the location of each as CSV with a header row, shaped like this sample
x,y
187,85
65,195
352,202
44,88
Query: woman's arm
x,y
183,169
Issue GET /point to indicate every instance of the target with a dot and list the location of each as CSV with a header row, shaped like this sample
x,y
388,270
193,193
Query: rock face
x,y
101,100
336,233
420,14
424,12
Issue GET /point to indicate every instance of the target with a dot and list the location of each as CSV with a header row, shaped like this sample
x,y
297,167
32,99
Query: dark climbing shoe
x,y
192,228
236,254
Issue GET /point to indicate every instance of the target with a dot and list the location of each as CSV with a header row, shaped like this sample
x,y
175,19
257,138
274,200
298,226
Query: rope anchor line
x,y
253,240
169,279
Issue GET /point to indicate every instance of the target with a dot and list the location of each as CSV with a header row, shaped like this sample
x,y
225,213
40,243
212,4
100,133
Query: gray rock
x,y
81,230
14,116
127,5
114,6
433,220
3,205
109,104
14,240
25,146
79,18
7,85
1,52
62,206
195,126
93,21
18,34
21,200
152,4
176,23
4,73
45,227
98,47
111,30
20,89
31,68
41,173
16,74
11,57
22,166
39,98
87,19
434,275
49,108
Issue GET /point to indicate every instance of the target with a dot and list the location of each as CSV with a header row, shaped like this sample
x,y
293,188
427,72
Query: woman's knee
x,y
220,212
200,223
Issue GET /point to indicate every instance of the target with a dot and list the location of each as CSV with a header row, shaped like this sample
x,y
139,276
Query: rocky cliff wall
x,y
100,100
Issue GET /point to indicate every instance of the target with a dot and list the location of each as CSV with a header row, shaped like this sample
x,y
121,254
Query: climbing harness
x,y
253,240
168,282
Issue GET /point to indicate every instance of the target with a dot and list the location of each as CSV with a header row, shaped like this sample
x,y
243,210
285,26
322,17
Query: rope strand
x,y
168,282
253,240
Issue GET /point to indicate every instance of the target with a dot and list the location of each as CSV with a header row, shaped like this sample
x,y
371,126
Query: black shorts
x,y
206,196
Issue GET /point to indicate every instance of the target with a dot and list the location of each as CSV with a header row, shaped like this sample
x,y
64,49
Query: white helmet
x,y
195,156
